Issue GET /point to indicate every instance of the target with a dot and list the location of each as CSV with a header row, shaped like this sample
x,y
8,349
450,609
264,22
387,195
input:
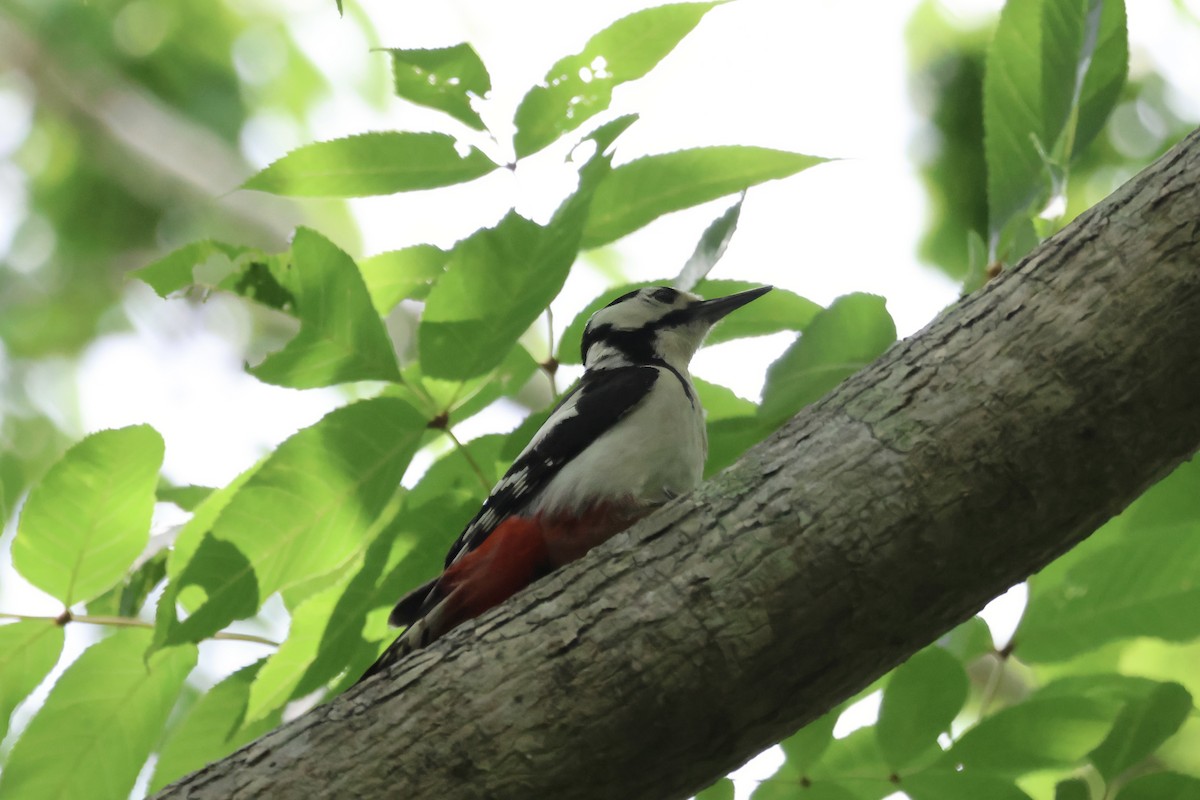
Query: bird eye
x,y
665,295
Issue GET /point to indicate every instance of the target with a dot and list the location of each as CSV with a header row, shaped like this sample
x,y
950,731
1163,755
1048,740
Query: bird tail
x,y
409,613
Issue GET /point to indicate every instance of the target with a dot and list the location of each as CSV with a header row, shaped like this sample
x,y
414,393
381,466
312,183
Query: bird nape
x,y
629,437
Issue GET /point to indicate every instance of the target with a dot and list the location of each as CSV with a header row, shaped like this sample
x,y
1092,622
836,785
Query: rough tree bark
x,y
961,461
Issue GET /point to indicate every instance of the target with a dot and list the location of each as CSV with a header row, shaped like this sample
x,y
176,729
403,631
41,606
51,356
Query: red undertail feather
x,y
518,552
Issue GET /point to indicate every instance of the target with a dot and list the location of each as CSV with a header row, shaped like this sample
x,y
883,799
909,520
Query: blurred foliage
x,y
948,66
129,124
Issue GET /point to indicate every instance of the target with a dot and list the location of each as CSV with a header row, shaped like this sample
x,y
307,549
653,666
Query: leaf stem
x,y
487,485
130,622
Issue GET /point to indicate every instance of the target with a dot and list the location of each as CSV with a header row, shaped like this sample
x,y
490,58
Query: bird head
x,y
656,324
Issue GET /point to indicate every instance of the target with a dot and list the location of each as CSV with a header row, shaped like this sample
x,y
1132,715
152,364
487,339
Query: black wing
x,y
601,398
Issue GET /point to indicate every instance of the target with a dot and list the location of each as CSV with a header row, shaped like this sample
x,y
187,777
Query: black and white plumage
x,y
626,439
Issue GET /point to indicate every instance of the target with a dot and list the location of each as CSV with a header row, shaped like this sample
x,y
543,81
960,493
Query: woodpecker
x,y
629,437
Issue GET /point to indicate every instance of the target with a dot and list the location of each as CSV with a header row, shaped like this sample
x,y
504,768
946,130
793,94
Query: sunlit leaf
x,y
643,190
186,266
463,399
89,518
402,274
496,284
445,78
332,631
100,722
211,730
29,649
839,341
302,514
500,279
920,701
341,337
1140,728
580,86
710,248
372,163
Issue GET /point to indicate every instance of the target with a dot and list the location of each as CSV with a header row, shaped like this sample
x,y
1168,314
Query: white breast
x,y
651,455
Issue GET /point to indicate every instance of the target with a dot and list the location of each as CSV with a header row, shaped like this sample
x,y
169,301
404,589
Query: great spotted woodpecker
x,y
629,437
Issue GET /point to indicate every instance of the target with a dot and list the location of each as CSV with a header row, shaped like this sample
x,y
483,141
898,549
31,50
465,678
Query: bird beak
x,y
712,310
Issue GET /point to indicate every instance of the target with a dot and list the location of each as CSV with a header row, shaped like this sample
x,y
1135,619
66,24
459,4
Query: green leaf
x,y
89,518
857,756
406,274
953,785
721,790
1041,733
580,86
341,337
1063,24
211,730
203,263
839,341
1013,114
189,537
304,513
1072,789
1140,728
710,248
1032,91
101,721
445,78
806,746
643,190
496,284
1143,585
371,164
920,701
186,497
969,640
29,649
775,789
733,424
1161,786
777,310
326,634
129,595
1106,73
466,398
499,280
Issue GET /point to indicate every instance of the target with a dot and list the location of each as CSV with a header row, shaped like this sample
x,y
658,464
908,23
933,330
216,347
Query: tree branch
x,y
964,459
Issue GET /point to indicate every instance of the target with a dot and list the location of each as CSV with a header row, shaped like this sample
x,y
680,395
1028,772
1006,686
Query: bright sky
x,y
821,78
